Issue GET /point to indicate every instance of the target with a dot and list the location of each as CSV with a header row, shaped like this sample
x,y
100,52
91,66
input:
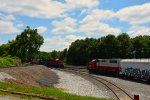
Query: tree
x,y
43,55
26,44
137,46
141,46
63,54
4,49
110,46
77,54
124,46
146,47
82,51
54,54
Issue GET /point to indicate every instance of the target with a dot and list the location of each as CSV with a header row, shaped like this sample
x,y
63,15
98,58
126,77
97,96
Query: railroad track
x,y
117,91
29,95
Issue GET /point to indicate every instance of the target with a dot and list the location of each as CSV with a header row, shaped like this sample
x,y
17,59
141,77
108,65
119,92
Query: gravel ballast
x,y
131,87
77,85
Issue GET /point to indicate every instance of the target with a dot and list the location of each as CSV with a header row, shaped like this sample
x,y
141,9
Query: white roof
x,y
135,60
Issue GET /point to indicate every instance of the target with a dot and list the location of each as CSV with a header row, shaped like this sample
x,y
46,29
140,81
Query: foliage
x,y
9,61
54,54
122,46
44,91
80,52
4,50
63,54
25,46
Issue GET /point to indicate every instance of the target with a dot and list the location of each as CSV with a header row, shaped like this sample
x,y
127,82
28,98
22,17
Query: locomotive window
x,y
97,60
103,60
113,61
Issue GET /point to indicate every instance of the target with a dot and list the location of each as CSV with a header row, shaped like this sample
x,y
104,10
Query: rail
x,y
118,92
29,94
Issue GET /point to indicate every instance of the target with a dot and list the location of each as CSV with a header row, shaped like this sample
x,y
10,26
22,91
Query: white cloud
x,y
139,30
43,8
138,14
19,25
92,24
58,43
7,17
98,15
41,29
65,26
72,38
33,8
7,25
73,4
98,28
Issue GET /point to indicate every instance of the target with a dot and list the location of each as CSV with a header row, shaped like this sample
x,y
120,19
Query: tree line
x,y
53,54
122,46
80,52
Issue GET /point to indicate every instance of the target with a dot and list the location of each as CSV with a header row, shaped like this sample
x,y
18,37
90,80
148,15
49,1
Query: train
x,y
132,68
49,62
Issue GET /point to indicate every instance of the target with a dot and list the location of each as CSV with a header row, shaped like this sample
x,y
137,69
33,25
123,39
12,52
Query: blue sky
x,y
61,22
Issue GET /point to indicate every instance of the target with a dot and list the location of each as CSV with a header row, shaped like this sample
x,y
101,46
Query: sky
x,y
61,22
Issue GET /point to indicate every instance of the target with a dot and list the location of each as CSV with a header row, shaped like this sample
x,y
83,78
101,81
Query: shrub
x,y
9,61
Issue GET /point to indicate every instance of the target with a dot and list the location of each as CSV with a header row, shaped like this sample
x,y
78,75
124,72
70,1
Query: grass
x,y
45,91
8,61
18,96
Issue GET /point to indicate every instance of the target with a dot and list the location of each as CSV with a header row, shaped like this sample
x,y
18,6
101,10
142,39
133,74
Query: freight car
x,y
51,62
135,68
132,68
55,63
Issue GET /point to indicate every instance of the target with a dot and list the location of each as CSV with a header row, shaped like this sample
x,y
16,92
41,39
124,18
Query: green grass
x,y
50,92
8,61
18,96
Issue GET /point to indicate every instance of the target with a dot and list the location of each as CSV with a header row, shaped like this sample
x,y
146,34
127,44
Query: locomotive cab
x,y
105,65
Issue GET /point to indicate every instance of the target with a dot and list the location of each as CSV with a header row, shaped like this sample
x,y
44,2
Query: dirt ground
x,y
36,75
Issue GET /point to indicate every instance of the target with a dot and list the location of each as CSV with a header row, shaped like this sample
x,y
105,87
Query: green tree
x,y
4,49
141,46
124,46
43,55
54,54
138,46
110,46
82,51
63,54
26,44
146,47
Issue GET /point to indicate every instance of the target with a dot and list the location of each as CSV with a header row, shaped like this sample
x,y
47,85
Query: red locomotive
x,y
51,62
103,65
55,63
133,68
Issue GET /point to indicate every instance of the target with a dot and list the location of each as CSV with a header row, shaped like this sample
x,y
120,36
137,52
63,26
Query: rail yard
x,y
130,86
105,86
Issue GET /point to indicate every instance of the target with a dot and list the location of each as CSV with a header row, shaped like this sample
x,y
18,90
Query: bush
x,y
9,61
